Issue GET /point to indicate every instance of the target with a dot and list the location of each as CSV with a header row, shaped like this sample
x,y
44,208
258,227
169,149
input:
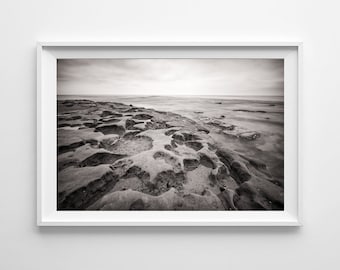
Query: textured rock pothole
x,y
113,156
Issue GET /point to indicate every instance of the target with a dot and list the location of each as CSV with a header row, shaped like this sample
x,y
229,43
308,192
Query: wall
x,y
313,246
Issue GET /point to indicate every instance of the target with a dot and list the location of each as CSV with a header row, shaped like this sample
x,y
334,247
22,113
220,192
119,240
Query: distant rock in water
x,y
251,135
250,111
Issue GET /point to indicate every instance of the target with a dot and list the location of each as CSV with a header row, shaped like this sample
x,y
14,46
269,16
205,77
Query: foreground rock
x,y
113,156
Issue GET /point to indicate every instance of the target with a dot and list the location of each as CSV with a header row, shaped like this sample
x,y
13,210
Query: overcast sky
x,y
170,77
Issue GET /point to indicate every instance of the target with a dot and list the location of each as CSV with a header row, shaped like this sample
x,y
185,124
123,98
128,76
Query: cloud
x,y
170,76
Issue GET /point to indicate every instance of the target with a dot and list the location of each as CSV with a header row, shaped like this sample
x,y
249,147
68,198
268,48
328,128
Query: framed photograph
x,y
168,134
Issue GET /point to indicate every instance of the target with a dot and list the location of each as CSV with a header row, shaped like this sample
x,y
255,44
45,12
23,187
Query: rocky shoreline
x,y
114,156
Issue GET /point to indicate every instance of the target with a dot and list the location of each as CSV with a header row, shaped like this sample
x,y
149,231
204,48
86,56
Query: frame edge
x,y
41,221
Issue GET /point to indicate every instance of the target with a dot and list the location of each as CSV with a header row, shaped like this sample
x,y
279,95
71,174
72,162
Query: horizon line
x,y
161,95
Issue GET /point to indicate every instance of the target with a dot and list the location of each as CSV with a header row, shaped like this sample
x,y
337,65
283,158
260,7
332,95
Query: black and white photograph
x,y
170,134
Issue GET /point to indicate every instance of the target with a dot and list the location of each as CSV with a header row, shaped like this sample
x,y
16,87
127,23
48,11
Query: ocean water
x,y
189,103
184,97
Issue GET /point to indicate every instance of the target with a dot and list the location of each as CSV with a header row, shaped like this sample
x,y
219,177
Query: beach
x,y
170,153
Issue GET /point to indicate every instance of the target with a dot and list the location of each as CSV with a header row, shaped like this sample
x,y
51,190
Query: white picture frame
x,y
49,52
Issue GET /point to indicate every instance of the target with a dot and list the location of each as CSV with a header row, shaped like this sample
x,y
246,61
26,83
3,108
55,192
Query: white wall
x,y
314,246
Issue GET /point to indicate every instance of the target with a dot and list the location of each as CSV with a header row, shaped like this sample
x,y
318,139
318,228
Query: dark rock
x,y
194,145
111,129
142,116
228,198
138,172
110,113
249,111
157,125
190,164
170,132
168,147
178,137
222,173
229,127
66,148
206,161
129,124
237,169
83,197
168,179
190,137
100,158
249,136
137,205
240,172
205,130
